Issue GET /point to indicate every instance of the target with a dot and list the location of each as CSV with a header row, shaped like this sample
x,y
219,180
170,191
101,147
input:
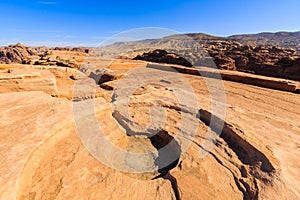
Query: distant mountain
x,y
282,39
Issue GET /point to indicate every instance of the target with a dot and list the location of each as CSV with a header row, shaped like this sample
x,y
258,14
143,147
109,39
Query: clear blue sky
x,y
66,22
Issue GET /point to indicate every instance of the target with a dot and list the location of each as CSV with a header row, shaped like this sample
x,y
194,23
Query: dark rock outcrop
x,y
77,49
162,56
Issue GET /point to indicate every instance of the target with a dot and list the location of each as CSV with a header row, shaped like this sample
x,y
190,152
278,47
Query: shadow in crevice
x,y
173,182
169,152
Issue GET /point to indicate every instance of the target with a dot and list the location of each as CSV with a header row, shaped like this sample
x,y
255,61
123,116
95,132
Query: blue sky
x,y
65,22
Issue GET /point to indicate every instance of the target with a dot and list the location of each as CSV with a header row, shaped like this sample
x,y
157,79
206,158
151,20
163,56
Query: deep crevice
x,y
169,151
174,184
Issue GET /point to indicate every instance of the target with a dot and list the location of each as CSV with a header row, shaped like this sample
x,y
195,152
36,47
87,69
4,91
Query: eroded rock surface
x,y
240,77
17,80
44,156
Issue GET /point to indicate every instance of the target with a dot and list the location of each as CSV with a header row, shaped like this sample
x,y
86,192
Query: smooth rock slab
x,y
27,79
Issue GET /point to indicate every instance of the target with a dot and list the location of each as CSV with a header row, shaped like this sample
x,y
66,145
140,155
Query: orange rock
x,y
16,79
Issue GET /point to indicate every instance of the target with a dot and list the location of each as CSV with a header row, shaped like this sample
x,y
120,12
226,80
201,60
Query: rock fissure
x,y
254,164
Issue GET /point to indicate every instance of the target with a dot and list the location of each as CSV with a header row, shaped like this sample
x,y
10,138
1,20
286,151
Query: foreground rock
x,y
43,156
50,162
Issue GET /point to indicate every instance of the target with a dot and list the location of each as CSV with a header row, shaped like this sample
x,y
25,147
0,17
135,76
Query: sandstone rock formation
x,y
17,80
59,56
268,54
240,77
54,62
44,156
17,53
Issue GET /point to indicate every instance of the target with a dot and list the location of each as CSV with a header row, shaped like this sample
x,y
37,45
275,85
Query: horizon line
x,y
96,44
